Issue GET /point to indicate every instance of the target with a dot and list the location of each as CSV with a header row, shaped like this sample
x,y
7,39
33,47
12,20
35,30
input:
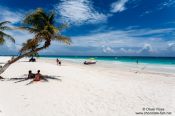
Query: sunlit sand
x,y
104,89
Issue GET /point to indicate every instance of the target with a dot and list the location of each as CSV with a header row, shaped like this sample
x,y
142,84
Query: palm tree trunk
x,y
19,57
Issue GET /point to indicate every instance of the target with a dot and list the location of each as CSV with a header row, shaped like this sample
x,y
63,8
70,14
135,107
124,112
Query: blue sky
x,y
101,27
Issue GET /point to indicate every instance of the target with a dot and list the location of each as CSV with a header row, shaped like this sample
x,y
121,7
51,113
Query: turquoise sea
x,y
129,59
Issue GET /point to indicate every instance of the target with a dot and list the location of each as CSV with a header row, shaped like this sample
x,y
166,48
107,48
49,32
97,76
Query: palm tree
x,y
30,45
3,35
42,25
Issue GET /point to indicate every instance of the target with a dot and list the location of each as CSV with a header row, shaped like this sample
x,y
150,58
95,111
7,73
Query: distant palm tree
x,y
42,25
3,35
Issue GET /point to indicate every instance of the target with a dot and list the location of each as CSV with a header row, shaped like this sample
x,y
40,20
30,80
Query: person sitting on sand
x,y
37,76
30,75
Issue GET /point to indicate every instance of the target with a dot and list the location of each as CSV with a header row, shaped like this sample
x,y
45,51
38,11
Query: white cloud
x,y
13,48
126,41
20,37
127,51
166,4
160,6
114,42
121,37
147,48
108,49
79,11
10,15
171,46
118,6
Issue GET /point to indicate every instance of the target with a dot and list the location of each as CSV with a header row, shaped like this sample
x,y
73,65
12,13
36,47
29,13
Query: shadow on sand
x,y
44,78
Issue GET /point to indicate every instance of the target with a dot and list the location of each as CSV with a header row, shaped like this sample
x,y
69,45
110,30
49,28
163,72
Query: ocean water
x,y
129,59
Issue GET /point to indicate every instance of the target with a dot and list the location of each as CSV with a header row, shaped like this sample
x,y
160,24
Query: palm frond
x,y
63,39
30,29
51,18
62,27
30,45
42,25
3,28
9,37
4,23
1,40
37,18
4,35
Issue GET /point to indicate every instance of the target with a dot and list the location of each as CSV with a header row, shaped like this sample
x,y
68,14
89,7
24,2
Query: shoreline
x,y
141,67
167,69
114,60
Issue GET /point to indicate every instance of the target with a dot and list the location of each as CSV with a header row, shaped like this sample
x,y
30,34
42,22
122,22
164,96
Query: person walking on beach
x,y
57,61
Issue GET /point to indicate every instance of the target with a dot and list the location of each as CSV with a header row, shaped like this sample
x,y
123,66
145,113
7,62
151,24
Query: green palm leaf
x,y
3,35
63,39
42,24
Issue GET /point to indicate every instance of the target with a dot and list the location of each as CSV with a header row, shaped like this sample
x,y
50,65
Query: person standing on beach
x,y
57,61
60,63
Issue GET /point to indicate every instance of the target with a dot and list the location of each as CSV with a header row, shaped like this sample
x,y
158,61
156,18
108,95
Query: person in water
x,y
137,61
37,76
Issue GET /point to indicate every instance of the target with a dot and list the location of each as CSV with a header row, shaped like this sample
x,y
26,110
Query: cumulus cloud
x,y
132,41
147,48
123,38
108,50
79,12
118,6
113,42
128,50
171,46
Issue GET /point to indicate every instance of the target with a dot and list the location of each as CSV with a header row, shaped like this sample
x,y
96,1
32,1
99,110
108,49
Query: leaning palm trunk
x,y
19,57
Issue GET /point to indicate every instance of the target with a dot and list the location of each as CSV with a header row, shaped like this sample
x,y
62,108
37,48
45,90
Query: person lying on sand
x,y
37,76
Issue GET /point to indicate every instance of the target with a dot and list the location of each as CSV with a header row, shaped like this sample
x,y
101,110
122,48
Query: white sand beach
x,y
104,89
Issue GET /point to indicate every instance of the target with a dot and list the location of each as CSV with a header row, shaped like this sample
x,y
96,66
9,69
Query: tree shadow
x,y
24,61
44,78
2,62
